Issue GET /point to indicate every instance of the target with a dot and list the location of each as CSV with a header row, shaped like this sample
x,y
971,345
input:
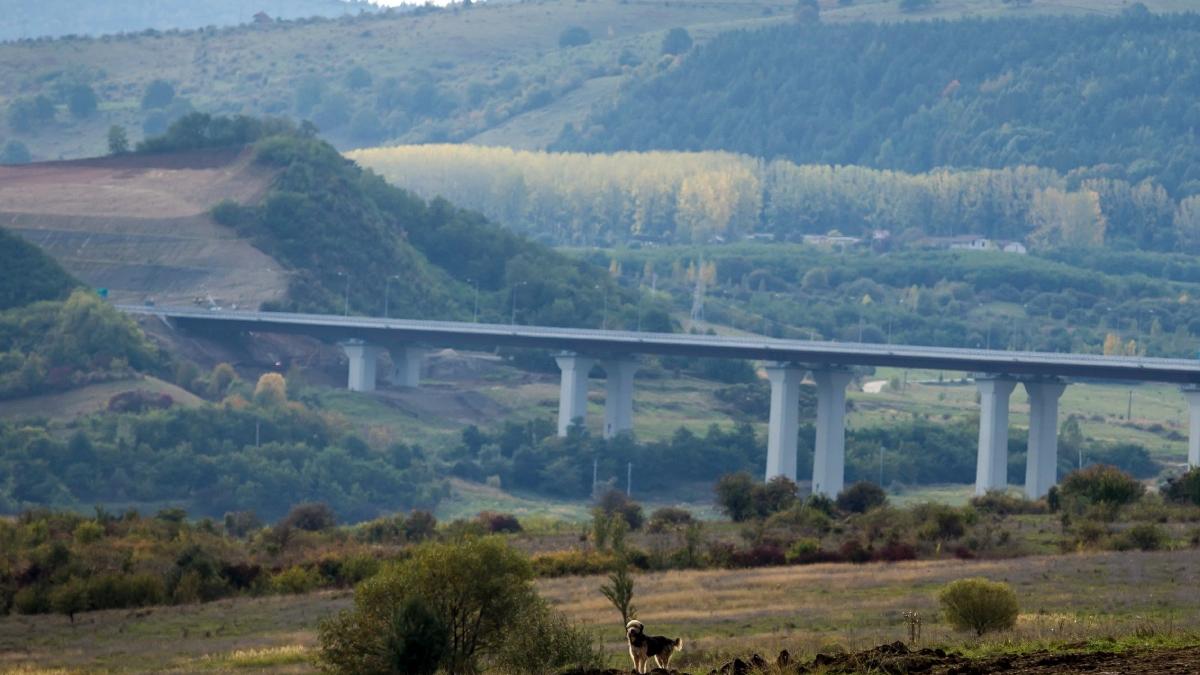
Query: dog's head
x,y
634,627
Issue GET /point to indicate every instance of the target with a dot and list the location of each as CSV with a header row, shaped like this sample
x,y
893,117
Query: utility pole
x,y
387,283
595,473
475,314
1129,407
629,479
881,464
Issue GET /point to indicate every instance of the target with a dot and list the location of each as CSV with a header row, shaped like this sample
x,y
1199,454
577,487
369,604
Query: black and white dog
x,y
642,647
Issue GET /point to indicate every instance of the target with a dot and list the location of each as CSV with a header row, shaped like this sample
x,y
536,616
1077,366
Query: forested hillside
x,y
577,198
1115,94
28,274
53,18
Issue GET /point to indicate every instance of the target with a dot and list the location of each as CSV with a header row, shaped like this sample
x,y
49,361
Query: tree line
x,y
696,197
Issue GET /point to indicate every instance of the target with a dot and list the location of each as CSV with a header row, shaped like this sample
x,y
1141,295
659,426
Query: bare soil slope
x,y
138,225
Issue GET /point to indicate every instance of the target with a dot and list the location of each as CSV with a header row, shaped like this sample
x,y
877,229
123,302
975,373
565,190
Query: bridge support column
x,y
991,468
572,394
785,419
1041,460
618,399
406,366
362,358
1192,394
829,462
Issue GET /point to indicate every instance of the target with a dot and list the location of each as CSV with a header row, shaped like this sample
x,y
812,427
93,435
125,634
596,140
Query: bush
x,y
477,588
1184,489
311,517
615,502
1001,503
1100,484
546,643
407,638
861,497
296,579
574,36
760,555
676,41
669,518
735,496
979,605
940,521
1144,537
498,523
571,563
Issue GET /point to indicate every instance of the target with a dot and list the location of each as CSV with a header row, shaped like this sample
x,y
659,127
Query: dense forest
x,y
610,199
62,17
29,274
1060,93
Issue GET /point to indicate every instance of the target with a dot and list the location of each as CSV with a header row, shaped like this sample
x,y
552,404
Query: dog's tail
x,y
678,644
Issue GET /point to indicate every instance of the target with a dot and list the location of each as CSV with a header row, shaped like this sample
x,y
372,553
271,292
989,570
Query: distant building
x,y
973,242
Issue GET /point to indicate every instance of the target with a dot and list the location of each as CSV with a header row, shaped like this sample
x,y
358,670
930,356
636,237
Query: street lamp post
x,y
475,313
513,319
346,306
387,287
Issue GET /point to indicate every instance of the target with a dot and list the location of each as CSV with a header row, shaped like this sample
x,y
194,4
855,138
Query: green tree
x,y
574,36
676,41
358,78
118,140
82,101
476,588
14,152
619,591
158,94
735,496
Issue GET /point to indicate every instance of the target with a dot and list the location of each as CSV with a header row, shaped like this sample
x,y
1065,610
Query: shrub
x,y
570,563
419,526
853,551
497,523
88,531
574,36
1100,484
406,638
615,502
802,550
735,496
546,643
1144,537
310,517
895,551
32,600
803,520
296,579
477,588
1184,489
979,605
861,497
759,555
676,41
119,591
1000,503
69,598
940,521
669,518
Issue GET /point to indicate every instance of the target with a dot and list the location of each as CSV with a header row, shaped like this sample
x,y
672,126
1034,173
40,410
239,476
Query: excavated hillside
x,y
139,225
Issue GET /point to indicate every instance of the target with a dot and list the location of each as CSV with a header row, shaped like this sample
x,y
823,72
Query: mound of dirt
x,y
897,658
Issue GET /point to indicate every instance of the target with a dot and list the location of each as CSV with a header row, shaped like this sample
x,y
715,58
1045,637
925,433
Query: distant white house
x,y
973,242
830,240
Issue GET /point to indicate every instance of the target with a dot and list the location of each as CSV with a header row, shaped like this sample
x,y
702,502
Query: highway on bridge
x,y
616,343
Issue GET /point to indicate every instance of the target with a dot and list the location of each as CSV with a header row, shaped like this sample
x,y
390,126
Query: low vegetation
x,y
979,605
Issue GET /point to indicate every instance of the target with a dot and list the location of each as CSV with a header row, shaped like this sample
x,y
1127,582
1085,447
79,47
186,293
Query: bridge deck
x,y
607,342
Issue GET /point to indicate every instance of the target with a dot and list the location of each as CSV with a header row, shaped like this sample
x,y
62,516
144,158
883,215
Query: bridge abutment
x,y
1041,460
829,460
991,469
572,394
363,358
784,422
618,400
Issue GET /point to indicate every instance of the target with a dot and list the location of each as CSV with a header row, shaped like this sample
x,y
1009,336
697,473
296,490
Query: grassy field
x,y
1097,597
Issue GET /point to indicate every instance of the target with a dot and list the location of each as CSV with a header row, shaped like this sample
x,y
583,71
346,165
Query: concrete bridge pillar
x,y
785,419
991,469
572,394
829,462
618,400
1041,461
406,366
362,357
1192,394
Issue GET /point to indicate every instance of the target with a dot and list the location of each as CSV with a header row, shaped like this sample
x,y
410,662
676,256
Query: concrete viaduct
x,y
1043,375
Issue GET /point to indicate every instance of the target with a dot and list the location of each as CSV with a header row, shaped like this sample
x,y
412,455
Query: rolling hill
x,y
26,20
